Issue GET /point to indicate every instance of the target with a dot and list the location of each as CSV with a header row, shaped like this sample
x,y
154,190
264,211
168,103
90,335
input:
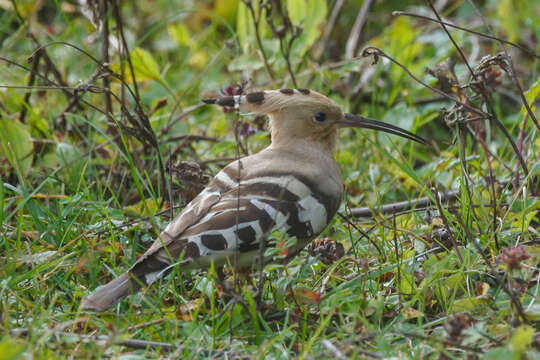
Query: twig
x,y
54,86
105,56
328,29
131,343
376,52
443,341
398,265
522,48
120,28
191,137
48,62
400,206
354,36
281,32
511,69
515,301
445,222
487,99
256,18
492,182
26,102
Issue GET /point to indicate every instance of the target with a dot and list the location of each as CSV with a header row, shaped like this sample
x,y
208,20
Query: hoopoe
x,y
294,185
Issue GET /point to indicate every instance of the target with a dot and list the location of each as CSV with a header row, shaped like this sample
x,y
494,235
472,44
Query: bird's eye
x,y
320,116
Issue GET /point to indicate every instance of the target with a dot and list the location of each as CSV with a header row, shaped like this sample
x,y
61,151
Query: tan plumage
x,y
293,185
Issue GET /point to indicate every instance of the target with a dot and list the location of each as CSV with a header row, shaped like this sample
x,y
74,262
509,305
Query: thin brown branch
x,y
488,36
354,36
492,183
328,29
105,57
26,102
397,207
256,18
494,272
192,137
511,70
445,222
376,52
46,58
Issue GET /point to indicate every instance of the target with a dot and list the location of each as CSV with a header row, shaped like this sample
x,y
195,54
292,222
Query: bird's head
x,y
303,114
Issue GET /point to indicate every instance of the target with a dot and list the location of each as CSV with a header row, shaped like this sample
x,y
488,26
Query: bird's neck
x,y
289,140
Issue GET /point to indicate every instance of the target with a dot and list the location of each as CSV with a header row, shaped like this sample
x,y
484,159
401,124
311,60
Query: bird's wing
x,y
243,217
224,181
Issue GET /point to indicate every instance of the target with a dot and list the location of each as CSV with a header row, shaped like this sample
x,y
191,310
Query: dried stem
x,y
105,57
50,65
26,102
354,36
328,29
445,222
488,36
281,33
256,18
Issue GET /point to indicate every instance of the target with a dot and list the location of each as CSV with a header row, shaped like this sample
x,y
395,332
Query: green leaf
x,y
531,95
406,285
146,68
245,62
521,340
243,26
9,349
315,14
16,144
510,21
297,10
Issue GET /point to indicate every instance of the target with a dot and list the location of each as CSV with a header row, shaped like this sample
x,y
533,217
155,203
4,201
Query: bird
x,y
293,186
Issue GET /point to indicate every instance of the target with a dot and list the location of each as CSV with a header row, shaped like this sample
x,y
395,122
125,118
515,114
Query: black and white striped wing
x,y
244,216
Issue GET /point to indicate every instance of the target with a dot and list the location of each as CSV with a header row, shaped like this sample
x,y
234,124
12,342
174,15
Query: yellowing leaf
x,y
410,313
16,144
469,303
143,207
146,68
307,296
533,312
198,59
180,34
226,9
406,285
187,310
521,223
521,340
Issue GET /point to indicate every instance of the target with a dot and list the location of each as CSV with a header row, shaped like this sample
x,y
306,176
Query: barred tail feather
x,y
109,294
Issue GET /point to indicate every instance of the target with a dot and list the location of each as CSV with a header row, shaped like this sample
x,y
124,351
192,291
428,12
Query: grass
x,y
84,191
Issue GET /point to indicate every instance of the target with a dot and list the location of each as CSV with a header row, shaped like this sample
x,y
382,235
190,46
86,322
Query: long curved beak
x,y
351,120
